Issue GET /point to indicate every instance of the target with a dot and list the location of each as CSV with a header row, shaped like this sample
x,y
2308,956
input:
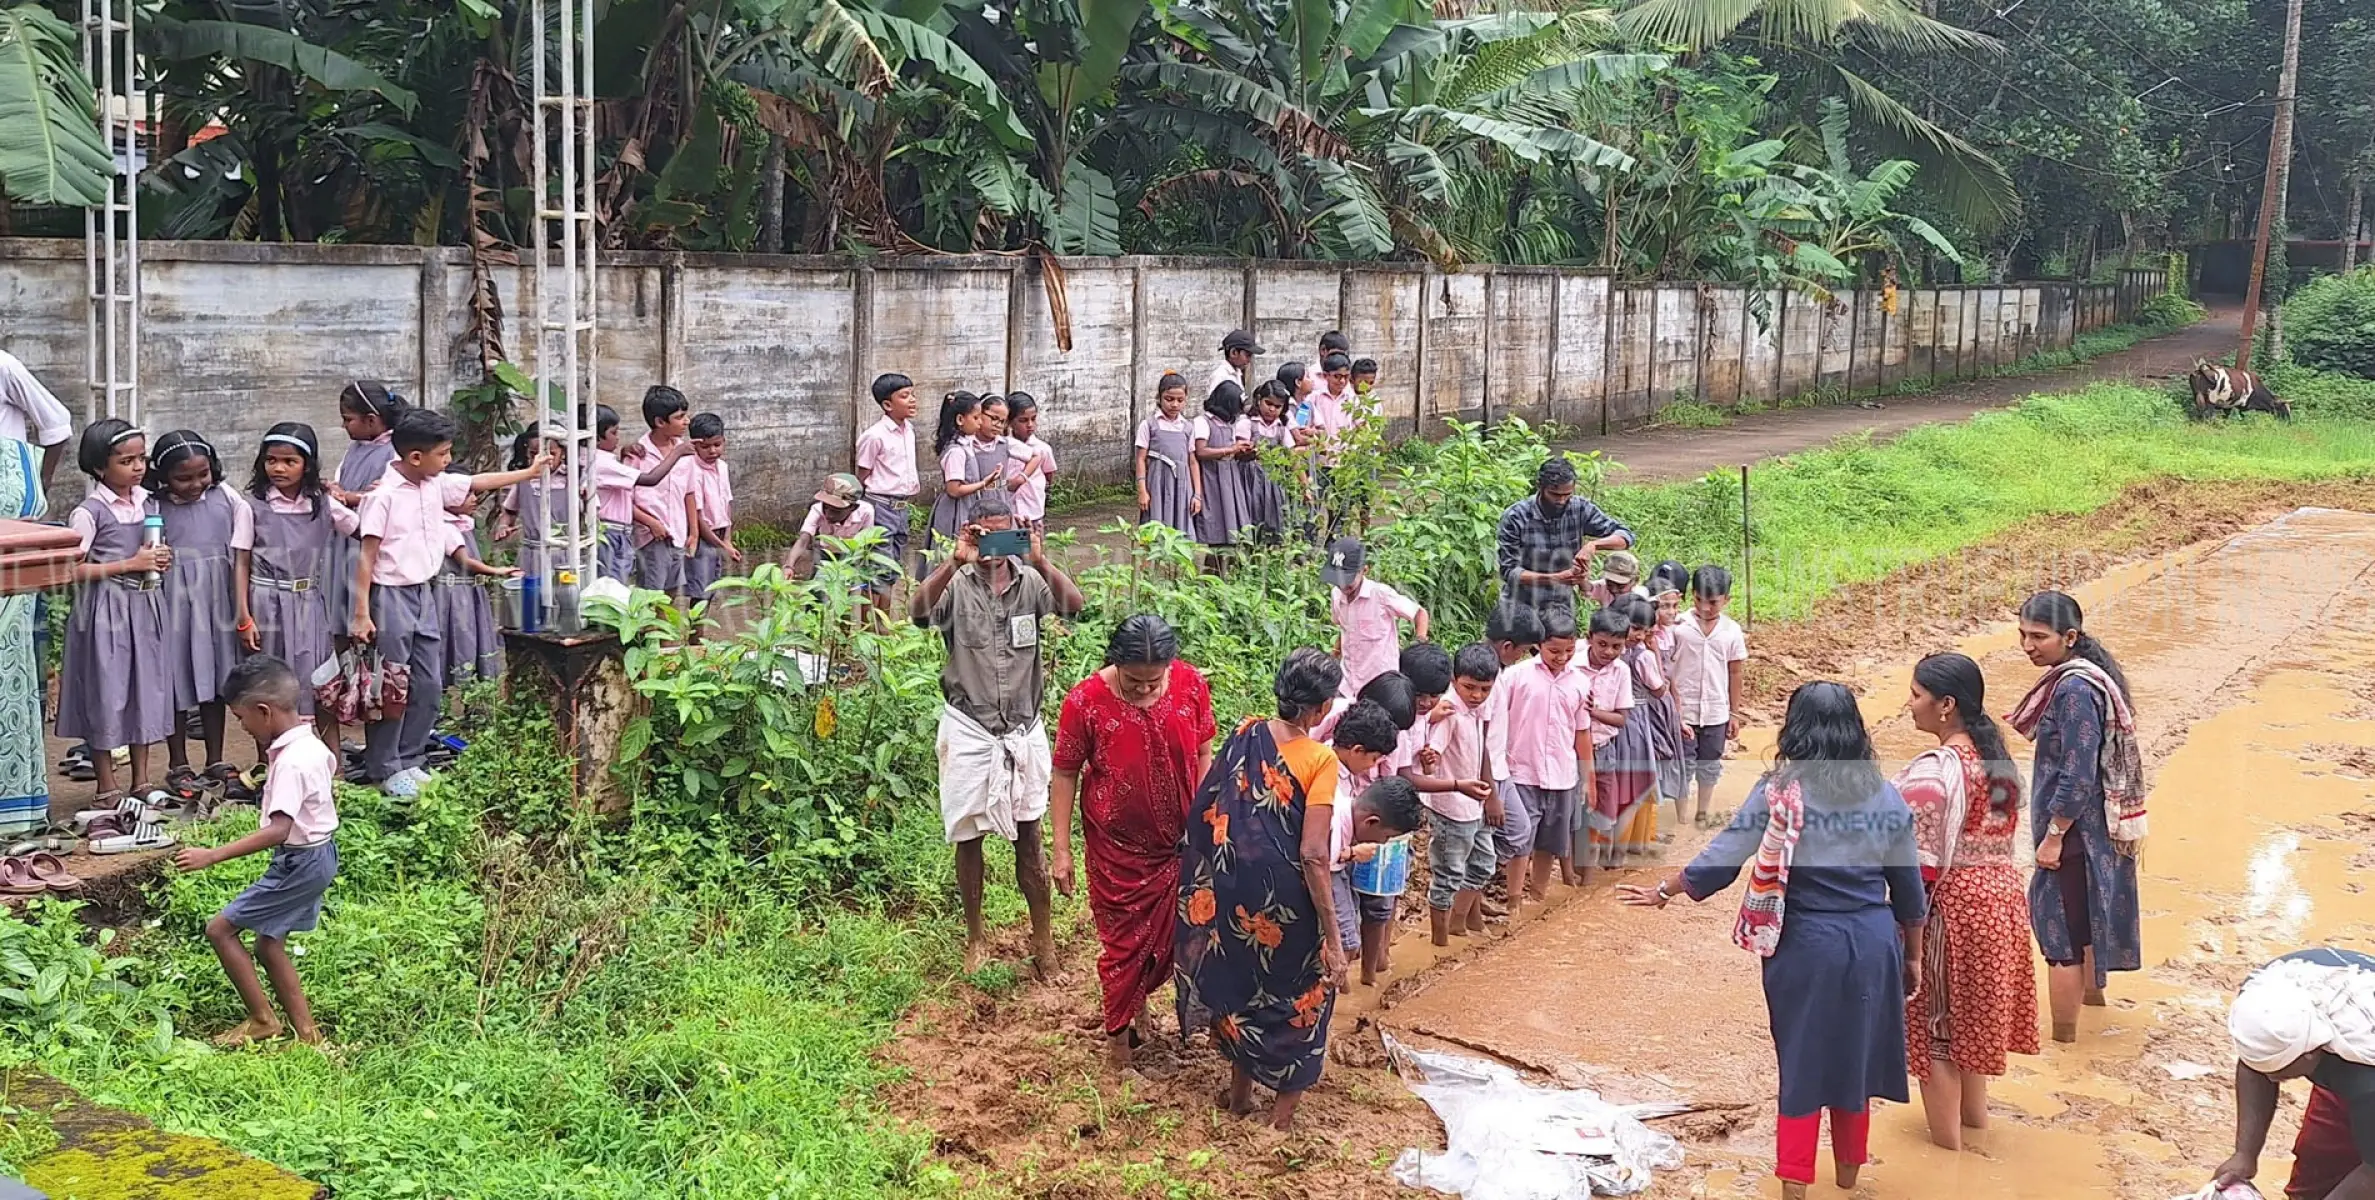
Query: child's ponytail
x,y
2060,613
953,407
373,399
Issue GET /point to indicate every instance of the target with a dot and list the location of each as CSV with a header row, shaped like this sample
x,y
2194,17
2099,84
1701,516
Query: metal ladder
x,y
565,251
111,231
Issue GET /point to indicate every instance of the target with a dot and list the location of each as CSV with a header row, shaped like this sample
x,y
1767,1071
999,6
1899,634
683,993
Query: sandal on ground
x,y
150,835
110,805
51,871
16,878
79,770
230,782
55,843
185,783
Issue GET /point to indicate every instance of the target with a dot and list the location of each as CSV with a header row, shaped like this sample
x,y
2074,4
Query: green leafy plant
x,y
57,989
51,151
2330,324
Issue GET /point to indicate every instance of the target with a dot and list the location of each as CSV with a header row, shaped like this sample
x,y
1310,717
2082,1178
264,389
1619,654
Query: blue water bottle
x,y
1303,413
531,603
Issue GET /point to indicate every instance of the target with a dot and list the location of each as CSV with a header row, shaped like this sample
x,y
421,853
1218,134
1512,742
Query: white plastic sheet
x,y
1511,1140
2210,1191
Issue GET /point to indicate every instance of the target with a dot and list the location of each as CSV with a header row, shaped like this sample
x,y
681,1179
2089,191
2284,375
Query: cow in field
x,y
2227,390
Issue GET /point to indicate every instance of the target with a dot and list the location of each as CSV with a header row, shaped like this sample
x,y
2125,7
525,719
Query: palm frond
x,y
51,151
1970,182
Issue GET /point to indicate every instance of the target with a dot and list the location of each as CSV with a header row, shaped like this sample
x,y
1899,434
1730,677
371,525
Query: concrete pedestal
x,y
582,677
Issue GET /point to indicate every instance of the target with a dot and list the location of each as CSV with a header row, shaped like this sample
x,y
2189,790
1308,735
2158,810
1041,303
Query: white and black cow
x,y
2226,390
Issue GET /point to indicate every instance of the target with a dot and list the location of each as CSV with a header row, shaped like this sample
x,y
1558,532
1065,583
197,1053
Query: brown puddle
x,y
2248,659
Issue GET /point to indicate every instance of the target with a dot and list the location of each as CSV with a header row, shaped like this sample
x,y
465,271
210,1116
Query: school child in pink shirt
x,y
1030,462
1365,739
1514,634
1620,775
660,554
406,537
886,469
709,508
297,820
615,502
1544,736
1368,615
1455,781
1709,652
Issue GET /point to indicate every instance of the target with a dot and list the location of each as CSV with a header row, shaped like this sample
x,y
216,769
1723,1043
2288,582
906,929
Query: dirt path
x,y
2242,654
1651,455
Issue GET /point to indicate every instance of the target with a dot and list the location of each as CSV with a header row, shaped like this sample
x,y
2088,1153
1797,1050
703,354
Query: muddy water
x,y
2249,660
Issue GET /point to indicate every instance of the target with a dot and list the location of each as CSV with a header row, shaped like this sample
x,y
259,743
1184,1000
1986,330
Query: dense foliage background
x,y
1672,138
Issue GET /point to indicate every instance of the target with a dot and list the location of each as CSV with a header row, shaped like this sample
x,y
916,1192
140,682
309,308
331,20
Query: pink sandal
x,y
51,871
16,879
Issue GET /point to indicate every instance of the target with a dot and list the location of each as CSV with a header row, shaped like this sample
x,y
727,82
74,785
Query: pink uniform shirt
x,y
1459,738
297,783
1030,499
1611,691
243,522
414,530
886,459
1536,717
614,488
128,509
1371,622
713,490
819,524
665,499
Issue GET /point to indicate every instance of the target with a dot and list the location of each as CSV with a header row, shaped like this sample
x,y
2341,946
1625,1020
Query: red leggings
x,y
1796,1138
2324,1153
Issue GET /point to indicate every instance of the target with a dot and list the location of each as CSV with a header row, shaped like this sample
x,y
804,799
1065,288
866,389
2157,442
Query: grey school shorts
x,y
1513,838
659,566
1554,813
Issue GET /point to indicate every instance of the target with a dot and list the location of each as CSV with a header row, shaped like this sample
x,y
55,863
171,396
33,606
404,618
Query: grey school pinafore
x,y
473,650
117,688
1168,488
951,513
364,463
1228,497
201,615
285,592
1265,505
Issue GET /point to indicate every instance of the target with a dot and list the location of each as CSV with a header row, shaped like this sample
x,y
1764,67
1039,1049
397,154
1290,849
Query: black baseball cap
x,y
1239,339
1346,557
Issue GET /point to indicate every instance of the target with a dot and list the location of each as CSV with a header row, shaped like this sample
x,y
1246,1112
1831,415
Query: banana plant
x,y
51,149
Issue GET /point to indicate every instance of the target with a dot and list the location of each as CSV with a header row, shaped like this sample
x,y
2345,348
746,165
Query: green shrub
x,y
2324,393
2330,324
2170,310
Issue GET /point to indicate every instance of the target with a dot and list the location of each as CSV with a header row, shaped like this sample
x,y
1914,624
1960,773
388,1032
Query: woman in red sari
x,y
1132,742
1978,997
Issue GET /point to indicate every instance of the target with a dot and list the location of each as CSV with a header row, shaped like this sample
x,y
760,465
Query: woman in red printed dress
x,y
1978,996
1132,742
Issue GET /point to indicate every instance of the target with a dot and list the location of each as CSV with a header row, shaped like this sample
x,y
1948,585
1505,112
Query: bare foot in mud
x,y
2094,999
254,1029
1043,958
1233,1106
976,954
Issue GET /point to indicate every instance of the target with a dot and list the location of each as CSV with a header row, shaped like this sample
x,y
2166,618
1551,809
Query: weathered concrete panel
x,y
1802,328
946,330
231,349
1293,304
1677,345
1188,310
1760,361
1455,384
1726,348
1381,318
1632,339
1581,356
1920,309
1085,402
1524,305
769,351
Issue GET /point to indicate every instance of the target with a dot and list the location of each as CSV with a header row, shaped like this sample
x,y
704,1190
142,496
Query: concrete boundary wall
x,y
237,336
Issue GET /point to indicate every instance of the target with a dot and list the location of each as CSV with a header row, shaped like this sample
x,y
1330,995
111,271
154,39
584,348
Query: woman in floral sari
x,y
1978,997
1256,954
24,772
1131,742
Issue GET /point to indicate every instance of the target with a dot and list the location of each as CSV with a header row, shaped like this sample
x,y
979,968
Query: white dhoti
x,y
990,783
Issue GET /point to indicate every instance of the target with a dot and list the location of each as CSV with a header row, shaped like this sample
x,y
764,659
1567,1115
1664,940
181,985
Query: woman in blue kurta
x,y
2082,899
1834,902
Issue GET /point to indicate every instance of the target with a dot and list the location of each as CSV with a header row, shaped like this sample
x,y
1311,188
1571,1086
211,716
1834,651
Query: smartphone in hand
x,y
1005,543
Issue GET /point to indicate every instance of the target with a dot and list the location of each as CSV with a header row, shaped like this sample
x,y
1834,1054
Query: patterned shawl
x,y
1758,930
2120,767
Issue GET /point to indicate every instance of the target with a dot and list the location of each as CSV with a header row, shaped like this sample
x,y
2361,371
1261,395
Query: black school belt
x,y
283,585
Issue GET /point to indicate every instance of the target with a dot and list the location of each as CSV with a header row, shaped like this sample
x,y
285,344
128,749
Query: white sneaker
x,y
403,785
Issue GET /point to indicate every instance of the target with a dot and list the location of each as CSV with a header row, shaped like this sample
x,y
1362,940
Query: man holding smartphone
x,y
988,600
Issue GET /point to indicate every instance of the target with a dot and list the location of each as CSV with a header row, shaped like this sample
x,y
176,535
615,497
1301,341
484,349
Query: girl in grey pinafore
x,y
117,686
201,618
285,596
1266,504
473,650
977,461
1227,496
1168,487
364,463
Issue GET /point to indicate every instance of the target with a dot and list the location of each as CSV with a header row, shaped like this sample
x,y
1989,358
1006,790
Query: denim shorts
x,y
1459,858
